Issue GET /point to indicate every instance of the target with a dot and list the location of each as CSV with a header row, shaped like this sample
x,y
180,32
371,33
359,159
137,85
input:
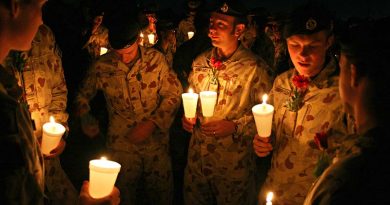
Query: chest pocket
x,y
145,87
116,89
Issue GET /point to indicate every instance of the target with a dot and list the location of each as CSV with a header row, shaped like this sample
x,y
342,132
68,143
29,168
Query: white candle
x,y
141,36
103,50
151,38
270,195
263,114
51,135
190,101
190,34
102,177
208,100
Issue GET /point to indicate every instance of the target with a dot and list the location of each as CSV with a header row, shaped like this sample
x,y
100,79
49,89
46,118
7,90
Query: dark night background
x,y
343,8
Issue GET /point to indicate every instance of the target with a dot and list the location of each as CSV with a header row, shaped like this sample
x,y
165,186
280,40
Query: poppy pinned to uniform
x,y
300,85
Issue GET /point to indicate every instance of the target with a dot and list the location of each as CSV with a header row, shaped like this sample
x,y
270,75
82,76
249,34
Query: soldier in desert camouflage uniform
x,y
96,36
40,74
220,167
307,107
142,95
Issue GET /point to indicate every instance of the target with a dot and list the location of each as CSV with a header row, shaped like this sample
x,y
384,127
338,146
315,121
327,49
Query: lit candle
x,y
103,50
263,114
141,36
208,100
51,135
190,34
270,195
190,101
151,38
102,177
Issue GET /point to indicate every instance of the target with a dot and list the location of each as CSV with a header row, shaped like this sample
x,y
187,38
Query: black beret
x,y
232,8
308,19
124,33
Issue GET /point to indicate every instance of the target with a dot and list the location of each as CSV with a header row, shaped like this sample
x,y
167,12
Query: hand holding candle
x,y
102,177
263,114
190,102
208,100
51,136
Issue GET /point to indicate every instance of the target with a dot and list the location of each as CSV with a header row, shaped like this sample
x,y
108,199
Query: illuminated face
x,y
26,24
98,20
308,52
222,30
127,54
345,83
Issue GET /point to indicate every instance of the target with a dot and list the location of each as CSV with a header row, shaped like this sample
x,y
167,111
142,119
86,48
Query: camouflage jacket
x,y
39,71
149,90
97,40
295,153
240,83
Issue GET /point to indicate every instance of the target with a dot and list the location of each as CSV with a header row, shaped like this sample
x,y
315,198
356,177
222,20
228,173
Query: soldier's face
x,y
308,52
26,21
222,30
346,91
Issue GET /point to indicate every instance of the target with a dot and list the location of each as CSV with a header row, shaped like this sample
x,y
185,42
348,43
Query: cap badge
x,y
311,24
224,8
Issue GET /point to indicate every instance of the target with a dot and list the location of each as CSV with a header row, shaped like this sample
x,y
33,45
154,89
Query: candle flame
x,y
103,158
190,90
265,98
141,35
270,195
52,119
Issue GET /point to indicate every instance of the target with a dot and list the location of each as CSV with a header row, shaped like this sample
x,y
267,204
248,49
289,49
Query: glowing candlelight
x,y
190,101
151,38
51,135
102,177
263,114
208,100
190,34
103,50
270,195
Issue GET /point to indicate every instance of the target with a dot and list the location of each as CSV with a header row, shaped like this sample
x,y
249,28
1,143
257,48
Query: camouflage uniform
x,y
21,162
149,90
221,170
42,78
184,27
295,154
97,40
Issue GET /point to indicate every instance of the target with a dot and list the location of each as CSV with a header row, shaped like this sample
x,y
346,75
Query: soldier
x,y
40,75
21,161
188,24
95,36
362,178
142,95
307,108
220,167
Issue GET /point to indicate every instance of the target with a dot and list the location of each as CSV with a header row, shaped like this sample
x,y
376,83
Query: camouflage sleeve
x,y
260,85
59,90
87,90
170,90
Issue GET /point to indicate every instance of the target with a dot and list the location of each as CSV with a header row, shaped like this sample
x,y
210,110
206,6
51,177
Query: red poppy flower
x,y
300,82
321,140
215,63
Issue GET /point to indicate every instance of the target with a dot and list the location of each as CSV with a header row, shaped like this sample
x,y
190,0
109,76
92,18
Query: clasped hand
x,y
219,128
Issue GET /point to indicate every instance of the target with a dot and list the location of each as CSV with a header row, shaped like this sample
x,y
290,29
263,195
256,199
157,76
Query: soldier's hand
x,y
262,146
188,123
57,151
141,132
86,199
221,128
